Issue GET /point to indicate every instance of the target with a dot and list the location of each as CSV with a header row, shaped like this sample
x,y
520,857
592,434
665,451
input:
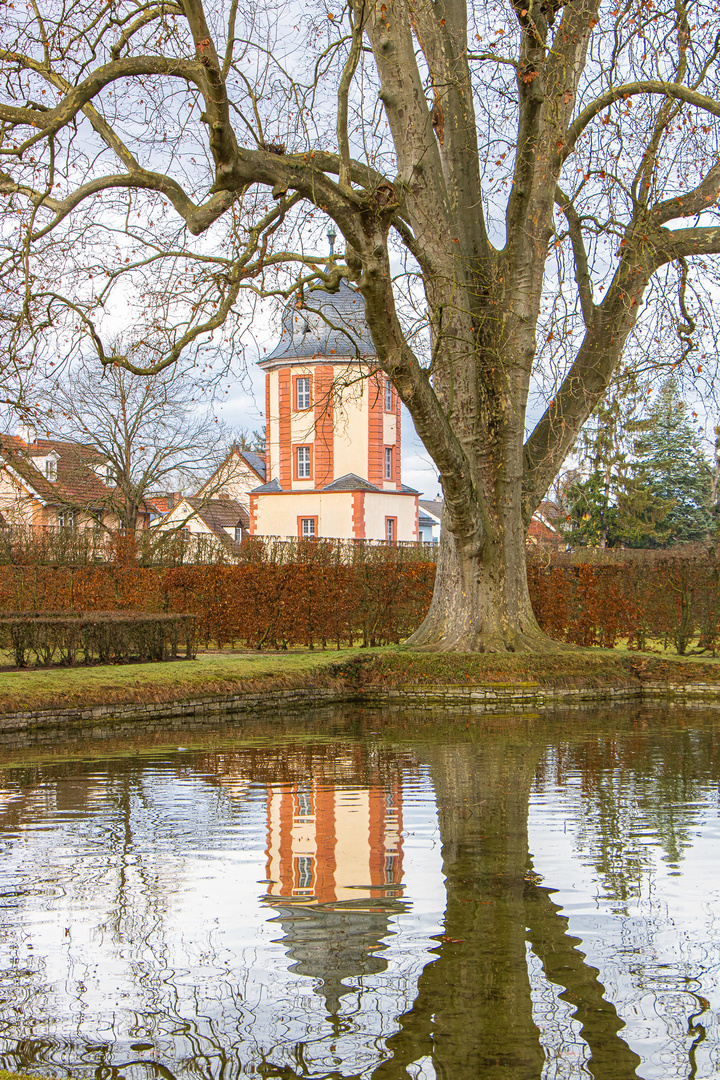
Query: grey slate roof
x,y
254,461
351,482
325,326
432,506
272,485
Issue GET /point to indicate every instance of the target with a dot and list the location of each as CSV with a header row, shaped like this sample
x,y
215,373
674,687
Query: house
x,y
220,507
541,531
429,520
235,477
222,521
53,483
333,430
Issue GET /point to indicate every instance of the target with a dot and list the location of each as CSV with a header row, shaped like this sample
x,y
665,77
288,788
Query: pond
x,y
363,894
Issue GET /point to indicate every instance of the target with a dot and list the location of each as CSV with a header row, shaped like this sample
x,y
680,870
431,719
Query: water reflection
x,y
367,905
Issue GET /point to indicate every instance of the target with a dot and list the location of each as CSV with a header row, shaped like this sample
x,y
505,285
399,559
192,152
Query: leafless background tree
x,y
147,427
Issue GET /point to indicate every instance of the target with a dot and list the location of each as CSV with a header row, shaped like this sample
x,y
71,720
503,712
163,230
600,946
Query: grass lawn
x,y
214,674
210,675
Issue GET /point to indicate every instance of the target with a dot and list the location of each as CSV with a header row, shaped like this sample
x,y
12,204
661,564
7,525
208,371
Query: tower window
x,y
303,463
388,396
302,392
388,463
304,871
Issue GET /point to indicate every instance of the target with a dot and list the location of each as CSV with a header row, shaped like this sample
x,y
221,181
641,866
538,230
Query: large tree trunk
x,y
481,601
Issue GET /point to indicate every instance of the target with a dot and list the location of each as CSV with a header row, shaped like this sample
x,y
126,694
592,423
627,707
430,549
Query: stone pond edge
x,y
476,698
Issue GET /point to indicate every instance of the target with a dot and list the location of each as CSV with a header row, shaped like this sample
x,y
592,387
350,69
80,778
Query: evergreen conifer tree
x,y
672,467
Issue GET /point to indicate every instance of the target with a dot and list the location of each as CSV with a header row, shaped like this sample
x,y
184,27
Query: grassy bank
x,y
215,674
210,675
581,668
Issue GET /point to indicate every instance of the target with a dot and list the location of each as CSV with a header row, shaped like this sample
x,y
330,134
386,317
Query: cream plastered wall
x,y
17,505
385,504
235,478
277,515
389,429
352,843
302,426
302,422
351,424
275,800
183,516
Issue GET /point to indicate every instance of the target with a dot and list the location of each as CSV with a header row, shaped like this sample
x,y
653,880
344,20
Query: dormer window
x,y
47,465
104,471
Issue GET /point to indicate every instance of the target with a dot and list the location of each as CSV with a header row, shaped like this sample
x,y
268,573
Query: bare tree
x,y
146,428
529,172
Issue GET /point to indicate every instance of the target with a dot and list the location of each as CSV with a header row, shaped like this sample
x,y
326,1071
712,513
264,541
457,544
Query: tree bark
x,y
481,601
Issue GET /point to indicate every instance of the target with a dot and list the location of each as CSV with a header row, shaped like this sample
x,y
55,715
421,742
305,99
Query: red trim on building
x,y
376,446
324,427
416,537
284,410
377,829
268,428
358,515
325,844
253,514
398,442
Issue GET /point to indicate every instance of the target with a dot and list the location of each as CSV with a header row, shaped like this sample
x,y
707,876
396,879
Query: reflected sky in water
x,y
511,900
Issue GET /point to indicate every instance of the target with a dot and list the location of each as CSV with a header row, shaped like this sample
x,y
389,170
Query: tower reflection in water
x,y
334,868
215,914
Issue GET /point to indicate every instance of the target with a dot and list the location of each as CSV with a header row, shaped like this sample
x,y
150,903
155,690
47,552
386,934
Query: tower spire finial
x,y
331,235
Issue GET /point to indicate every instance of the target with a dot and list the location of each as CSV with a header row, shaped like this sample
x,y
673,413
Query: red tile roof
x,y
77,484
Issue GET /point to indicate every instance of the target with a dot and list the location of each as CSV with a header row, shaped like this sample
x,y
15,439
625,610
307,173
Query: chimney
x,y
26,432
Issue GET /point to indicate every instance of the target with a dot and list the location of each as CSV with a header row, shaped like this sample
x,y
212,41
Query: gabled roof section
x,y
325,326
432,506
272,485
256,463
215,481
220,514
76,484
351,482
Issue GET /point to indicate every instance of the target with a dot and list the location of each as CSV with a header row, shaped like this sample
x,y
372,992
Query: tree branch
x,y
692,202
627,90
582,269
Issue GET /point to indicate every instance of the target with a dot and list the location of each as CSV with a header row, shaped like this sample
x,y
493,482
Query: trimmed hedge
x,y
103,636
316,594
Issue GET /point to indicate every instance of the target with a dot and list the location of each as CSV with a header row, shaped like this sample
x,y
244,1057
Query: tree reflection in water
x,y
138,943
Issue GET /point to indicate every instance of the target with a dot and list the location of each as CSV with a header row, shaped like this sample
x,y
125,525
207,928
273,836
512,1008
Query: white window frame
x,y
304,463
302,392
50,469
388,396
307,527
390,537
388,474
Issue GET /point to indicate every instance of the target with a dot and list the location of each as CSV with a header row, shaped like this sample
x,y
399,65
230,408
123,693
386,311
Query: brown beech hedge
x,y
316,594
